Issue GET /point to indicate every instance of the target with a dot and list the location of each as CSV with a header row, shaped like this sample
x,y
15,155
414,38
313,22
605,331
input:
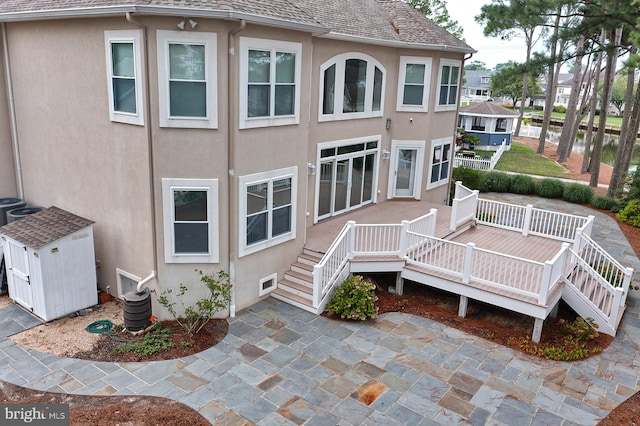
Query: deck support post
x,y
399,284
537,330
554,311
462,308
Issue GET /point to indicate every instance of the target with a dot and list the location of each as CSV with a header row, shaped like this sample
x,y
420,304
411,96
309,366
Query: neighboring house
x,y
476,86
214,135
491,123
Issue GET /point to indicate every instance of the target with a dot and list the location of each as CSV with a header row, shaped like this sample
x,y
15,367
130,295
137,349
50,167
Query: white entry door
x,y
406,163
17,263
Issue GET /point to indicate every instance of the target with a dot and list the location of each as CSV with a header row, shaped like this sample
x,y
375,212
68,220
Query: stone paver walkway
x,y
281,365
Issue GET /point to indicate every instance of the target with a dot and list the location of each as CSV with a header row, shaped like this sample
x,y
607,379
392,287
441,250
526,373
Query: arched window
x,y
351,86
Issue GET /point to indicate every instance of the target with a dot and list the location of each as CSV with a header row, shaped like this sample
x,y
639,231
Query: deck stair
x,y
296,286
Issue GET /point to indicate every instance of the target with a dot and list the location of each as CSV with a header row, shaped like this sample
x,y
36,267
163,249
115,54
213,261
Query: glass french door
x,y
346,179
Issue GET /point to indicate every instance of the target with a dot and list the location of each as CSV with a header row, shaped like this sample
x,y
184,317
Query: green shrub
x,y
560,108
577,193
196,316
538,108
495,182
603,203
549,188
156,340
471,178
631,213
522,184
355,299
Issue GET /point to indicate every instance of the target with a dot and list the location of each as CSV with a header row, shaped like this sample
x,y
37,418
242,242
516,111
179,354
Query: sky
x,y
491,50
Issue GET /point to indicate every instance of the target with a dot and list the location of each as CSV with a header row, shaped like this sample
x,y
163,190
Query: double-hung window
x,y
413,85
351,86
190,213
124,71
449,82
440,162
187,79
267,209
270,73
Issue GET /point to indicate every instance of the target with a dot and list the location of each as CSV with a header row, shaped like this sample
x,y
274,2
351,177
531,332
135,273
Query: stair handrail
x,y
619,292
320,289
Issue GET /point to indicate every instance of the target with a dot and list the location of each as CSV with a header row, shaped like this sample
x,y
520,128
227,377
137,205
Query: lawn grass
x,y
523,159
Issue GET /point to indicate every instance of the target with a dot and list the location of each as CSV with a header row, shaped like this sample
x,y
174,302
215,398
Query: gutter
x,y
149,131
397,44
315,29
231,152
12,113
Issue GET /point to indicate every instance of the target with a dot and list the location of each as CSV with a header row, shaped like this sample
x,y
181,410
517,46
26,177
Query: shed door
x,y
17,264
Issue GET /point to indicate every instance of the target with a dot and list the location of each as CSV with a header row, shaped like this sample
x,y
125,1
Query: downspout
x,y
152,199
12,113
231,191
452,153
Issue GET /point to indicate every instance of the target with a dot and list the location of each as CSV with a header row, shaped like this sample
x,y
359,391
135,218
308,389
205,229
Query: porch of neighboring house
x,y
516,257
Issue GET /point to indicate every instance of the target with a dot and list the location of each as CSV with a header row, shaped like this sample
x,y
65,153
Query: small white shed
x,y
50,261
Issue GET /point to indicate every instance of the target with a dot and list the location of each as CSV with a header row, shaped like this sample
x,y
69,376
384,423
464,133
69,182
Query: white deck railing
x,y
531,221
604,299
364,240
598,279
464,205
497,270
602,262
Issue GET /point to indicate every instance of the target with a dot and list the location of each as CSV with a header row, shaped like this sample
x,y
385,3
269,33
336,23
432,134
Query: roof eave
x,y
475,114
397,44
94,12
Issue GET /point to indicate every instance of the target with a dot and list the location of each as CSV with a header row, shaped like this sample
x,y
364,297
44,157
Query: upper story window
x,y
190,212
413,86
124,71
187,79
267,209
270,73
351,86
449,80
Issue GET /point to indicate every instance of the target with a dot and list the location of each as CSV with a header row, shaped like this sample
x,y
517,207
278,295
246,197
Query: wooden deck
x,y
512,243
322,234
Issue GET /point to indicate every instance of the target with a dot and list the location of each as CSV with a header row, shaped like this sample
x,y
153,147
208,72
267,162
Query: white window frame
x,y
248,180
404,61
209,41
338,114
449,63
435,144
264,292
211,187
125,36
273,46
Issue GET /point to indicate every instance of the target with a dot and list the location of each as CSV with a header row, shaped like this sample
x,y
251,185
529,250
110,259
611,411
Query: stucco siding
x,y
72,155
8,184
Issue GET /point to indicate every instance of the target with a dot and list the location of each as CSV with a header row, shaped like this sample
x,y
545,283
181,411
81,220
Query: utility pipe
x,y
12,113
231,188
141,284
148,127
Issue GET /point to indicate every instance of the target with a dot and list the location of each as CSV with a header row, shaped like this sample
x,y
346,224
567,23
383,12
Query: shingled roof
x,y
371,21
487,108
44,227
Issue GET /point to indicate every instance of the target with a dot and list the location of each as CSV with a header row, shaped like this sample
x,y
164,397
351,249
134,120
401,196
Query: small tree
x,y
196,316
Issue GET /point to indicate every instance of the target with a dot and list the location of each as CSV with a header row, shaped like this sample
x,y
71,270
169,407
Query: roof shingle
x,y
44,227
376,20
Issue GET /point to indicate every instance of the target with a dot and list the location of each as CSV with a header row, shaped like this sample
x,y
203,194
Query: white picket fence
x,y
480,162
